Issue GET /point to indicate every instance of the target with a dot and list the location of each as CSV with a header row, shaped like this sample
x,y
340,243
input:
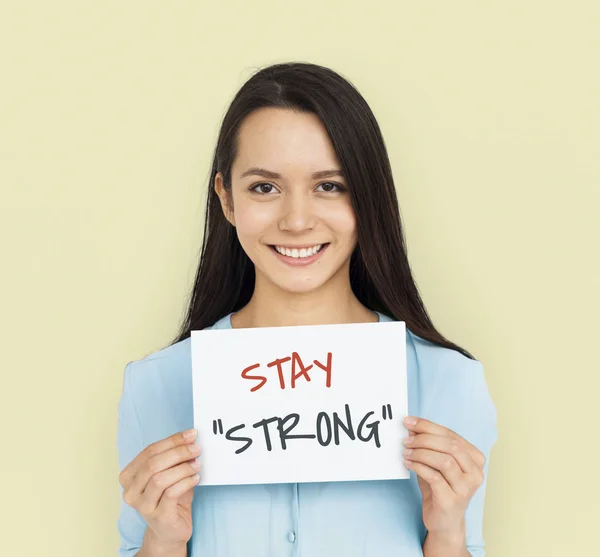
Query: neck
x,y
270,306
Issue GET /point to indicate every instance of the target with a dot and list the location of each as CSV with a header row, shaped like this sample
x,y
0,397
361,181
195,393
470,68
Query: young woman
x,y
303,227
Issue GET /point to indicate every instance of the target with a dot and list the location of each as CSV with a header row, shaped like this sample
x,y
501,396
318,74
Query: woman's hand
x,y
158,483
449,471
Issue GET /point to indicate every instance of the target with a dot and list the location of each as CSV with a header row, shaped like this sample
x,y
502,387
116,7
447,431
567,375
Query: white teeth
x,y
299,253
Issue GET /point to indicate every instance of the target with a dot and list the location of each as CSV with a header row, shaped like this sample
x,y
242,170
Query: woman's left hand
x,y
449,471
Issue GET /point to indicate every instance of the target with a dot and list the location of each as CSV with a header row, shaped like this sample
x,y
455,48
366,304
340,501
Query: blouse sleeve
x,y
130,524
481,431
462,403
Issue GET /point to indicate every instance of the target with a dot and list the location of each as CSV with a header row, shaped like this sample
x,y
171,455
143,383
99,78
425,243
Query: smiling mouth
x,y
299,253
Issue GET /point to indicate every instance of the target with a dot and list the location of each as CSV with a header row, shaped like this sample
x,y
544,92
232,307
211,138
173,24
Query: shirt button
x,y
291,537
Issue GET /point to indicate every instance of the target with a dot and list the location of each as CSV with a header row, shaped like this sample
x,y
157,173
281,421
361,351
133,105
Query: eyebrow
x,y
274,176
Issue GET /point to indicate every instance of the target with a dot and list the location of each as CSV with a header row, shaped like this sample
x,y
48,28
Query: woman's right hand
x,y
158,483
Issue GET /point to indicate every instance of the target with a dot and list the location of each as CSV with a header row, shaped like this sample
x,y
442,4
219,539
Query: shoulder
x,y
434,359
164,374
441,363
157,389
449,388
454,391
165,360
169,360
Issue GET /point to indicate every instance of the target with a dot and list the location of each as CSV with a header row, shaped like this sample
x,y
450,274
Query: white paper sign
x,y
300,404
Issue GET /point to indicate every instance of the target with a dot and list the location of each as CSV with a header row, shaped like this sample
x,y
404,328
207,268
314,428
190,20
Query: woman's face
x,y
298,228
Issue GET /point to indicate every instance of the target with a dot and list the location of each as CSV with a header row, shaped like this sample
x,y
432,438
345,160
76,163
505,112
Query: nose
x,y
298,213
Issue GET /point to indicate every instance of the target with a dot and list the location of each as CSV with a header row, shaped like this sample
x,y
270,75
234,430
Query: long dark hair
x,y
380,274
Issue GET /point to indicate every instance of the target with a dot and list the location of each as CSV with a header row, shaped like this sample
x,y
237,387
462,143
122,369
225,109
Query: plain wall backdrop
x,y
109,113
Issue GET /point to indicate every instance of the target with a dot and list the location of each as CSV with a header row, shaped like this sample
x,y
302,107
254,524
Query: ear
x,y
225,198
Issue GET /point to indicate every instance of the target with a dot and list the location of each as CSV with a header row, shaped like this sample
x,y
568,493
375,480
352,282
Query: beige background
x,y
108,116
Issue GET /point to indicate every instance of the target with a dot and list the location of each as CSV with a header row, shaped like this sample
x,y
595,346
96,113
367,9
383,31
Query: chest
x,y
313,520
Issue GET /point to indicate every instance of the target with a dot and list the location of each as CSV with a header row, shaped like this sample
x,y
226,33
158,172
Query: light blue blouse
x,y
338,519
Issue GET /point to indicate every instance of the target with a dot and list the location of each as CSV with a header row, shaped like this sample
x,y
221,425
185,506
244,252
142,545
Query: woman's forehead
x,y
284,142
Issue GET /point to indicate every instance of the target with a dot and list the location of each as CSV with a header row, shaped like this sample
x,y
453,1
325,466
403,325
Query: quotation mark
x,y
386,412
218,426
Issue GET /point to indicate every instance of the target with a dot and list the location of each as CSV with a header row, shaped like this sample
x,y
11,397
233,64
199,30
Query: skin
x,y
449,471
296,209
158,483
290,211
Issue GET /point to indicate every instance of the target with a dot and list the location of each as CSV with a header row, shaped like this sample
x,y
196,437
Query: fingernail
x,y
190,433
408,440
194,448
410,421
407,452
195,465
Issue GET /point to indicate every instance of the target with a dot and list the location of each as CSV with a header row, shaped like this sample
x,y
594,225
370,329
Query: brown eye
x,y
330,187
263,188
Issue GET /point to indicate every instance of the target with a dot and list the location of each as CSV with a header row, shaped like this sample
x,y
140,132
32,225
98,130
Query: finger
x,y
162,481
425,426
175,440
439,443
158,462
445,464
458,448
438,484
169,499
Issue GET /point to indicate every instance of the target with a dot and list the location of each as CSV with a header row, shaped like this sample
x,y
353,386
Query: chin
x,y
298,282
299,287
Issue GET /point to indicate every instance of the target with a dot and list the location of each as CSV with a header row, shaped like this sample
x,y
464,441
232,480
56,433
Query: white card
x,y
317,403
